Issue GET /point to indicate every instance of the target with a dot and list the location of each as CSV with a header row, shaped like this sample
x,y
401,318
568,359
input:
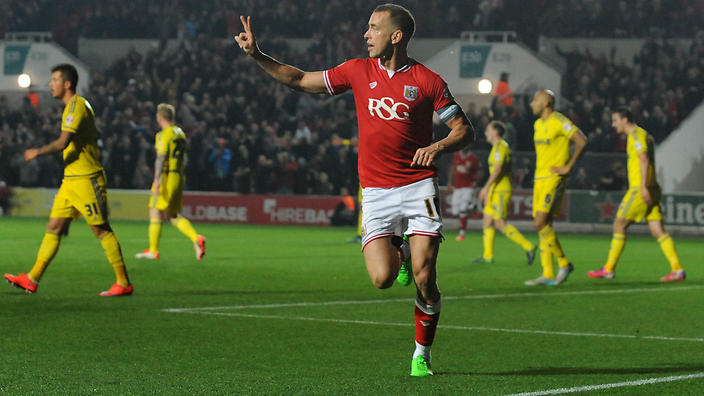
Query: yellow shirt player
x,y
82,190
167,188
553,162
496,195
642,201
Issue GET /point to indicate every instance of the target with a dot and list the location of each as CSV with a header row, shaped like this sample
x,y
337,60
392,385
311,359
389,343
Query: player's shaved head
x,y
543,99
401,18
548,96
166,111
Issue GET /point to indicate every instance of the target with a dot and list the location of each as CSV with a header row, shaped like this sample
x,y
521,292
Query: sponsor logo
x,y
216,213
567,126
410,92
295,215
372,84
386,109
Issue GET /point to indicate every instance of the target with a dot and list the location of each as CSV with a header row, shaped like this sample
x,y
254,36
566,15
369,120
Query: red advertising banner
x,y
520,208
259,209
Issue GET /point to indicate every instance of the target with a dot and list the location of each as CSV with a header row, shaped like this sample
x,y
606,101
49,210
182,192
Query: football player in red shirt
x,y
395,97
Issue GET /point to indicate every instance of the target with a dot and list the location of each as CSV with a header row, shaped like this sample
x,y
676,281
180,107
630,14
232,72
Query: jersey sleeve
x,y
640,143
339,78
162,143
499,156
73,118
443,102
568,127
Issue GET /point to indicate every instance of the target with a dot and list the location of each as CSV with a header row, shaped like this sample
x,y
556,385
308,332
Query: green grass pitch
x,y
290,310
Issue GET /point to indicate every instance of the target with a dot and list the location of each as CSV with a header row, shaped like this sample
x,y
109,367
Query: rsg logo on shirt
x,y
386,109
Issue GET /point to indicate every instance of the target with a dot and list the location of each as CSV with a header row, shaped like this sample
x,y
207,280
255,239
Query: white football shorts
x,y
462,200
413,209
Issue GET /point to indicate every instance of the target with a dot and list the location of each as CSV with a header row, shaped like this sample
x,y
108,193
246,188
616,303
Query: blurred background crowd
x,y
250,134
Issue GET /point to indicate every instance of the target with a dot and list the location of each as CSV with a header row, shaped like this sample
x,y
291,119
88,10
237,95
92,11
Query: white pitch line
x,y
587,388
446,298
471,328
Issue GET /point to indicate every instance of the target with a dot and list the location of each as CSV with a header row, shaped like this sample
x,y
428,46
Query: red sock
x,y
463,223
425,326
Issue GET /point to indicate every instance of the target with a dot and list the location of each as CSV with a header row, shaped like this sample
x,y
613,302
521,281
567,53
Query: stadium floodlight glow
x,y
24,80
484,86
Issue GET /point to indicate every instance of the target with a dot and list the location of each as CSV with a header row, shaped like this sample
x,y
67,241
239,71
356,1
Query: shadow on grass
x,y
673,368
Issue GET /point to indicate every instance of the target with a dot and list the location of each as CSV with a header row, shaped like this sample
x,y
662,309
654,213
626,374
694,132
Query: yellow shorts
x,y
170,198
82,195
497,204
548,194
633,207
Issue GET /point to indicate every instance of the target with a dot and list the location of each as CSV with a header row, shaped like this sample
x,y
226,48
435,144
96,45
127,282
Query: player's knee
x,y
382,280
539,223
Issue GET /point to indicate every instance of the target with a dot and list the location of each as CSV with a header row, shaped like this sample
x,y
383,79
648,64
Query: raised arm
x,y
311,82
461,134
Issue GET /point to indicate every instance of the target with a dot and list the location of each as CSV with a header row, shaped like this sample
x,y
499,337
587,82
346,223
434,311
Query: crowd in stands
x,y
70,19
250,134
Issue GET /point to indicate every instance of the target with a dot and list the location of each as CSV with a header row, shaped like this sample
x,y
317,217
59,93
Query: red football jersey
x,y
465,169
394,117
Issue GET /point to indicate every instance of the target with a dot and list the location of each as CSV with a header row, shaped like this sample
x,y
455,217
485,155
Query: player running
x,y
642,201
496,195
167,188
82,190
395,98
553,133
463,177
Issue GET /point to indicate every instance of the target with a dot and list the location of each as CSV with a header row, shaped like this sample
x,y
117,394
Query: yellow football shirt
x,y
500,155
639,141
81,156
171,143
552,143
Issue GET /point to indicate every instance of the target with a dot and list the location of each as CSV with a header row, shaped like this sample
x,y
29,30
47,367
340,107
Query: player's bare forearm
x,y
53,147
159,167
461,134
311,82
493,177
580,143
288,75
644,164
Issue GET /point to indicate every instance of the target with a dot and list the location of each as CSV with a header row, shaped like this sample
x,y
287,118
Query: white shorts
x,y
411,210
462,200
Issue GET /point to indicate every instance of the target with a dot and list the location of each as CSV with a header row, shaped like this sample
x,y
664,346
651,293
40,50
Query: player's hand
x,y
425,156
246,40
561,170
483,194
645,194
31,154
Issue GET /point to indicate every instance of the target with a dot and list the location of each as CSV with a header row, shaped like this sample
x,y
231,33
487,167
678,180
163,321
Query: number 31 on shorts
x,y
92,209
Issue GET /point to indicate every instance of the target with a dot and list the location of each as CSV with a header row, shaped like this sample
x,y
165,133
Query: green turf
x,y
67,340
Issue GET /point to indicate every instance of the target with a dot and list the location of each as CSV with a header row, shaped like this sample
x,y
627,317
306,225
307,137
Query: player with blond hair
x,y
167,189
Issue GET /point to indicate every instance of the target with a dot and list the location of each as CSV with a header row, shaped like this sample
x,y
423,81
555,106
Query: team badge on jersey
x,y
69,119
410,92
372,85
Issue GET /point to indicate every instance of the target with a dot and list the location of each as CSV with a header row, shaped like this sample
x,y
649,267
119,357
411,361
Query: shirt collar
x,y
391,73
